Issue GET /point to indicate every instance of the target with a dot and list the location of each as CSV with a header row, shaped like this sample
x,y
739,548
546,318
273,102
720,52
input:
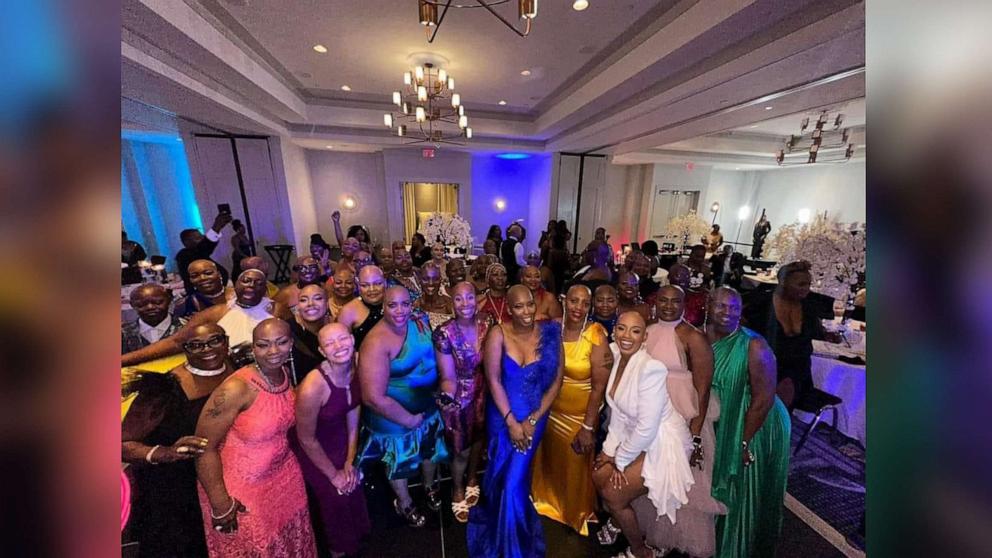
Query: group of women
x,y
577,409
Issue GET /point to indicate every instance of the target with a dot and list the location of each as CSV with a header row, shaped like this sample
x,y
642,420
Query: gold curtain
x,y
409,210
447,198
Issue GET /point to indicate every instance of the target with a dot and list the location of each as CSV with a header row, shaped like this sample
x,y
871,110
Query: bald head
x,y
632,318
396,292
680,275
270,328
149,289
518,293
669,303
209,328
370,273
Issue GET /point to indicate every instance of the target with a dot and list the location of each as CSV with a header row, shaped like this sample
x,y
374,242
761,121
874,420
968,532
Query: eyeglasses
x,y
212,343
306,267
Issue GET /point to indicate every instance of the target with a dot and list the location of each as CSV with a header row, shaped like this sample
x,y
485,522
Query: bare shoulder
x,y
313,388
691,334
759,349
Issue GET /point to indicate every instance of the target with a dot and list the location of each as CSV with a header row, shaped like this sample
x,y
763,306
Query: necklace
x,y
502,308
575,344
202,372
272,388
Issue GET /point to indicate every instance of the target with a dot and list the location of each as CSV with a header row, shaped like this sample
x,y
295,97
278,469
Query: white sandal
x,y
460,508
472,494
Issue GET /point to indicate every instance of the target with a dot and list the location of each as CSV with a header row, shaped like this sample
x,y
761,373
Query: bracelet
x,y
148,456
234,504
507,414
586,427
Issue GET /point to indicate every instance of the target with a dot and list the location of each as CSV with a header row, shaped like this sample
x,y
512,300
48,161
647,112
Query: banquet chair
x,y
816,402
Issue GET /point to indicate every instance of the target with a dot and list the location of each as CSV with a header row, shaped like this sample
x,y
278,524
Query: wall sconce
x,y
349,202
714,209
500,204
743,212
804,215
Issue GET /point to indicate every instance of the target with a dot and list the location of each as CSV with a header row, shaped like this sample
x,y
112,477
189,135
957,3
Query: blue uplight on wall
x,y
513,155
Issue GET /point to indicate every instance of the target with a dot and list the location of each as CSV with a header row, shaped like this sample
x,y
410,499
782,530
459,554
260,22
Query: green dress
x,y
753,495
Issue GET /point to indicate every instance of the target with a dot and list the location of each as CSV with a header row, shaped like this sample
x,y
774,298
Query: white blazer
x,y
642,419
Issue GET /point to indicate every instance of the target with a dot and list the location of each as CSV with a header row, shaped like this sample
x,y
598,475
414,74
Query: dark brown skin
x,y
431,299
249,290
141,419
547,307
272,345
371,288
519,339
455,271
725,317
619,488
578,301
669,306
151,301
629,295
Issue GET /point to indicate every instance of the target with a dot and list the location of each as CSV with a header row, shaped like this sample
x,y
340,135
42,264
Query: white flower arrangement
x,y
835,250
688,226
452,229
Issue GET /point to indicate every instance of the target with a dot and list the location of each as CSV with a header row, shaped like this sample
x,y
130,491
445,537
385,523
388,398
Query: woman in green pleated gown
x,y
752,436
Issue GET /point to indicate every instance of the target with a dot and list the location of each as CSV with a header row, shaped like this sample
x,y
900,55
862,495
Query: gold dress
x,y
562,486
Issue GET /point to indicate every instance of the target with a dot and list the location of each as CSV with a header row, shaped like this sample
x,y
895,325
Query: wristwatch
x,y
532,420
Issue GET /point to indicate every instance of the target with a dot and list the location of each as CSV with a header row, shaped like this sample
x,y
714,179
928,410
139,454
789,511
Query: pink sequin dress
x,y
261,471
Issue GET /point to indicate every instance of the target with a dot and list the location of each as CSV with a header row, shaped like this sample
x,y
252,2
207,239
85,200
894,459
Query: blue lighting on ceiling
x,y
513,156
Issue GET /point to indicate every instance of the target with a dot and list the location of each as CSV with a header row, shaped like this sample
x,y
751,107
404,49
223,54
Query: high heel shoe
x,y
434,497
411,514
607,535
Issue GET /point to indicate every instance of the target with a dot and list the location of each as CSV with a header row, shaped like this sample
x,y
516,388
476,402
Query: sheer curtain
x,y
421,198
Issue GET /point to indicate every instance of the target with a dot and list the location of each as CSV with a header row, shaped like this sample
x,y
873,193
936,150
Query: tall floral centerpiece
x,y
687,226
836,251
450,228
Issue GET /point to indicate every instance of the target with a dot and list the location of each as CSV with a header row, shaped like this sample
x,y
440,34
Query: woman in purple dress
x,y
458,349
327,413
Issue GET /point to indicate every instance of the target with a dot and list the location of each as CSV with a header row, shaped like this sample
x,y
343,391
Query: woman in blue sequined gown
x,y
505,523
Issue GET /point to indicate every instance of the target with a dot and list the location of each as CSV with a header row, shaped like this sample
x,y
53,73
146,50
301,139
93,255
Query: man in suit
x,y
197,246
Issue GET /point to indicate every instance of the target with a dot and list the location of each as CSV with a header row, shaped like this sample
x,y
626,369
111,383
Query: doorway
x,y
420,199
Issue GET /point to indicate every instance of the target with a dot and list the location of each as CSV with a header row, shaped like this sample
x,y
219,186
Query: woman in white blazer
x,y
648,443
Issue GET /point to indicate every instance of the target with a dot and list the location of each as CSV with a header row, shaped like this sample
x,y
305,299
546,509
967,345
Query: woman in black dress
x,y
312,313
158,443
789,320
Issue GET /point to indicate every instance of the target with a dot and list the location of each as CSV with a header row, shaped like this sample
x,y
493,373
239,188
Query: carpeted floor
x,y
828,477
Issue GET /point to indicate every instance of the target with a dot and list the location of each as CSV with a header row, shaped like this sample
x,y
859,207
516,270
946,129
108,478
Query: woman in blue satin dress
x,y
505,523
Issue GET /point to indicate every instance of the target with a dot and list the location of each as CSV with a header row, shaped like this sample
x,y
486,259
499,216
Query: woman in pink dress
x,y
687,354
251,490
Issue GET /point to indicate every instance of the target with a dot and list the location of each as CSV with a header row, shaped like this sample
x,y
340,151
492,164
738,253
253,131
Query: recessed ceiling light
x,y
769,107
502,102
754,125
320,48
345,88
329,146
525,73
580,5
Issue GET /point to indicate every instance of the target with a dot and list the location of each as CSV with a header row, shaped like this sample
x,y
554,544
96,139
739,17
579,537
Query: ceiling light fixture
x,y
502,102
437,110
833,142
432,17
329,146
769,108
320,48
580,5
345,88
525,73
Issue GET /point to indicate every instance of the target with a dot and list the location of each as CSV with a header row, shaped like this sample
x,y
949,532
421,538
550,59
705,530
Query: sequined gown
x,y
505,524
261,471
464,425
562,487
753,495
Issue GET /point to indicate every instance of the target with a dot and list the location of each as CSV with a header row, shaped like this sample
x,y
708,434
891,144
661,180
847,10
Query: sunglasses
x,y
212,343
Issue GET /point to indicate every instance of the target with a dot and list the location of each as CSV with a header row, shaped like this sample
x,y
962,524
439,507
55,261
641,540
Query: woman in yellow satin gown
x,y
562,487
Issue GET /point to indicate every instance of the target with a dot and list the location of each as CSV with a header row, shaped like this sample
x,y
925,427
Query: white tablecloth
x,y
846,381
754,281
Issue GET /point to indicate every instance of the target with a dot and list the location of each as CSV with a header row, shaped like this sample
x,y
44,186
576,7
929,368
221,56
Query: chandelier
x,y
833,142
429,16
428,101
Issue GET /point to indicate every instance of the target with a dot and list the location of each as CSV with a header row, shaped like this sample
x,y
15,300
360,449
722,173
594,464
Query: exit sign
x,y
428,152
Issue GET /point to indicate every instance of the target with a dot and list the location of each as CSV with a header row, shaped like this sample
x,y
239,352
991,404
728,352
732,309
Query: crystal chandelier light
x,y
427,108
431,17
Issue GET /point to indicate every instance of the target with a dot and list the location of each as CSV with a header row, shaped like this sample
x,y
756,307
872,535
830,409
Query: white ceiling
x,y
369,41
633,79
